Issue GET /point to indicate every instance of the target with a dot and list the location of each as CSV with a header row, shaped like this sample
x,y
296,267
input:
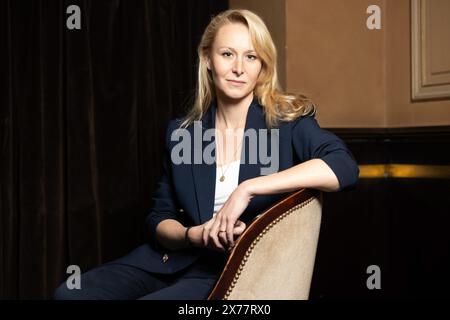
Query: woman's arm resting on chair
x,y
312,174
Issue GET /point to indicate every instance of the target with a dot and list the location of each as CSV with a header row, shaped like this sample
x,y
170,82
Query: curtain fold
x,y
82,120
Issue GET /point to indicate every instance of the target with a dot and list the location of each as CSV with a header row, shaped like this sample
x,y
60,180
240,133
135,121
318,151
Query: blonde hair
x,y
278,106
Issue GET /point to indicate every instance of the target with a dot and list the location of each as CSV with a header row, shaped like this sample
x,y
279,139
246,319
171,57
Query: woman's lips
x,y
236,83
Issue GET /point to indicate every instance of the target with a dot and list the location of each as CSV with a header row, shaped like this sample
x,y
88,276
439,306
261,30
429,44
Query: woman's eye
x,y
227,54
251,57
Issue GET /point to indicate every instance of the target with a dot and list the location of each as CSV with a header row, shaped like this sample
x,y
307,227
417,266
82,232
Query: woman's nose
x,y
237,67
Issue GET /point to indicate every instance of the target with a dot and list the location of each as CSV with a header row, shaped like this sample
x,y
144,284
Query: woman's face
x,y
233,61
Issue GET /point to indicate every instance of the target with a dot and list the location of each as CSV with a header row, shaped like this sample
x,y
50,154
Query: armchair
x,y
274,257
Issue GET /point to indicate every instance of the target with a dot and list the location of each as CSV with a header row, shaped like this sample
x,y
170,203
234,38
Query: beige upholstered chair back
x,y
274,257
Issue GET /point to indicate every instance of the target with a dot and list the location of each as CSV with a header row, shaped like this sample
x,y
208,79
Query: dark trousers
x,y
114,281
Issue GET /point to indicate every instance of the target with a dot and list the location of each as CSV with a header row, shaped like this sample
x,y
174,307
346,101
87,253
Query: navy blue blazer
x,y
186,191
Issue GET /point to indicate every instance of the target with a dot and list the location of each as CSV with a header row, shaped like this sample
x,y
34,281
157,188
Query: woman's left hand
x,y
228,215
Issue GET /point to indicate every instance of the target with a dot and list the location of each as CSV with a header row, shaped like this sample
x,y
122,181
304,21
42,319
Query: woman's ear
x,y
208,64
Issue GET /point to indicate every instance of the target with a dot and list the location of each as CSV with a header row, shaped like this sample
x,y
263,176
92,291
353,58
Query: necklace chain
x,y
222,178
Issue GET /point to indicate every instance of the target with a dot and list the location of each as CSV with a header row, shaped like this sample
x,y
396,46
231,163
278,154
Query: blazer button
x,y
181,210
165,258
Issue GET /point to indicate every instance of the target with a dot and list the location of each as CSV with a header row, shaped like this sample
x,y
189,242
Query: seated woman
x,y
218,174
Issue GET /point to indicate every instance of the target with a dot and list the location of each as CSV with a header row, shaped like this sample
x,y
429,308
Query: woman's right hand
x,y
200,235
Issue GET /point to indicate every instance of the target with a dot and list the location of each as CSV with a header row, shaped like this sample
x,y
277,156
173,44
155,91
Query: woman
x,y
201,207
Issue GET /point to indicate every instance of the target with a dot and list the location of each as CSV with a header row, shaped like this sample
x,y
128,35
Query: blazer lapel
x,y
255,121
251,169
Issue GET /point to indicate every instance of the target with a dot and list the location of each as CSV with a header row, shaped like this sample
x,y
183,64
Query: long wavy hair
x,y
278,106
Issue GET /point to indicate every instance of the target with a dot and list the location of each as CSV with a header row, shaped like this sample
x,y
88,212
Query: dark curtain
x,y
83,115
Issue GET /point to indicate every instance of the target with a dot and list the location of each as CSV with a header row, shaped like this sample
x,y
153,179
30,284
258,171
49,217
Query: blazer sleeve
x,y
312,142
164,206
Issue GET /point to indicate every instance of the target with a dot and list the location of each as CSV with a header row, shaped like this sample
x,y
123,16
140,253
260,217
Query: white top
x,y
226,187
